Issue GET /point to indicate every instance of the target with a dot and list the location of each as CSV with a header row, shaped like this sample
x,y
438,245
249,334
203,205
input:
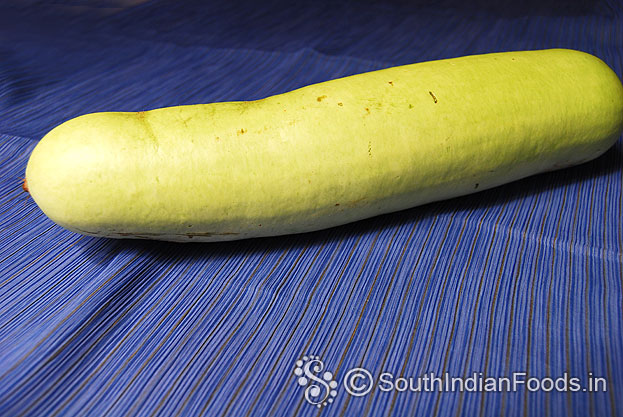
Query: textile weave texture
x,y
527,277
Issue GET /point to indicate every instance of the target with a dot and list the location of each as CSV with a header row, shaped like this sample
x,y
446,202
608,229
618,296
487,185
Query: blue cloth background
x,y
526,277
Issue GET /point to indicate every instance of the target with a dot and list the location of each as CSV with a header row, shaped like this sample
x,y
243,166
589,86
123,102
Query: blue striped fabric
x,y
527,277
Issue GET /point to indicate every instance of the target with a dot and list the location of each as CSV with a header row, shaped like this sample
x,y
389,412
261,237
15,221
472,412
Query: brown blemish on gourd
x,y
410,105
476,186
319,99
265,128
142,117
370,148
208,234
88,232
433,96
367,110
391,83
340,104
148,235
355,202
337,204
190,234
242,131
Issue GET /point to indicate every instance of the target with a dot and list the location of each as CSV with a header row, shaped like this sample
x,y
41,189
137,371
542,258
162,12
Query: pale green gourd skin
x,y
330,153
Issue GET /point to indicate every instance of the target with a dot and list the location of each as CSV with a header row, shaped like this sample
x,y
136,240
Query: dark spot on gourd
x,y
433,96
476,186
340,104
367,110
259,225
370,148
242,131
217,138
410,105
319,99
337,204
391,83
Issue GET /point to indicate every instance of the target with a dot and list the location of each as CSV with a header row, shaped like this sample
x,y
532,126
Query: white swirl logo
x,y
358,382
320,391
